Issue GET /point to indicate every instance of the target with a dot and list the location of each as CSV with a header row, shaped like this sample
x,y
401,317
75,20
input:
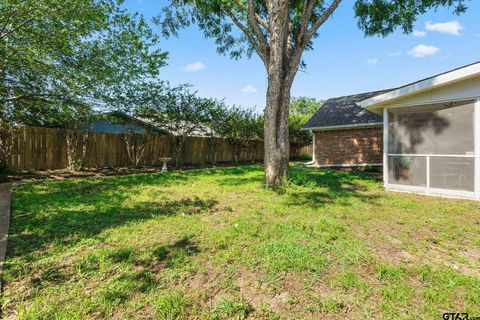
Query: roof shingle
x,y
344,111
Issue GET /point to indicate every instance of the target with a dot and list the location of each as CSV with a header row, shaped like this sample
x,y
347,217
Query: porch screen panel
x,y
439,136
409,171
434,129
452,173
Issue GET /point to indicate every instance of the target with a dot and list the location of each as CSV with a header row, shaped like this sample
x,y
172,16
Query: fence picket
x,y
45,149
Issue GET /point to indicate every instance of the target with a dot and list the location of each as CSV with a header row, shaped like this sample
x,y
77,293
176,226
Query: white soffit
x,y
446,78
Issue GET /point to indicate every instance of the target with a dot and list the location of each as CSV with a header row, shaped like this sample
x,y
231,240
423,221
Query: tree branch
x,y
304,37
333,6
30,97
5,25
251,38
262,22
259,33
308,6
33,18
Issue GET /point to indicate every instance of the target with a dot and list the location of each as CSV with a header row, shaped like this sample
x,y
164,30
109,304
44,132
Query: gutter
x,y
343,127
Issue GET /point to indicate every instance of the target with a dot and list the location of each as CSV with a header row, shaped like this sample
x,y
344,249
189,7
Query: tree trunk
x,y
212,146
277,147
280,79
6,145
76,149
177,143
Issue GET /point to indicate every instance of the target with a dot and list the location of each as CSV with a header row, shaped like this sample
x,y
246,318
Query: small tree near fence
x,y
298,137
75,118
136,142
241,127
69,114
216,114
181,114
6,144
133,109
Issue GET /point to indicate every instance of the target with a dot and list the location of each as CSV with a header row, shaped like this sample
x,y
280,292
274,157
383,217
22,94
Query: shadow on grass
x,y
140,273
321,187
66,212
176,255
77,210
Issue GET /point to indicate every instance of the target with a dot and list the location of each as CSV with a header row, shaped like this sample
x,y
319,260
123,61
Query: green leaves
x,y
242,124
59,54
298,136
305,106
382,17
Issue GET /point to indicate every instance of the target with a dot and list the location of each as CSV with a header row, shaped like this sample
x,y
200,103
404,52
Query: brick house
x,y
345,134
425,134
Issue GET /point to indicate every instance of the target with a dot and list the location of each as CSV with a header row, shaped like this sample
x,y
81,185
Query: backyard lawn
x,y
215,244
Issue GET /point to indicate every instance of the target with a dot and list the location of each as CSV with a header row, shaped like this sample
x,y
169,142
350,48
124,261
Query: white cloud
x,y
248,89
423,50
451,27
395,54
419,34
373,61
194,67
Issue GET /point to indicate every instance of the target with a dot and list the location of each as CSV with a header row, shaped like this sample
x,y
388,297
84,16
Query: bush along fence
x,y
302,152
46,148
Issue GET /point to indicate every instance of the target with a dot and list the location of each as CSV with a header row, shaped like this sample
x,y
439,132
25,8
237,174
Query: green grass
x,y
214,244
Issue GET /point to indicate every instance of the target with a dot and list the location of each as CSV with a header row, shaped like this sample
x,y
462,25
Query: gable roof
x,y
344,112
167,127
442,79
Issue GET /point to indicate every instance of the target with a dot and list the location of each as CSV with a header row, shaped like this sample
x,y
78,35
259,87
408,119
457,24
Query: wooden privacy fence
x,y
306,150
46,148
298,151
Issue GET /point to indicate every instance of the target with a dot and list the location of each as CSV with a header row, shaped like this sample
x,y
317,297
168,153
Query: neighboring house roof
x,y
344,112
136,125
181,127
442,79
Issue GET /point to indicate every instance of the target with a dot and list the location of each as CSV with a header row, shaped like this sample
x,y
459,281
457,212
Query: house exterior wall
x,y
359,146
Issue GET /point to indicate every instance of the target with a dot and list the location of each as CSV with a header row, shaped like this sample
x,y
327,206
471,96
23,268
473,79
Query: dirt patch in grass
x,y
386,247
61,174
257,293
472,254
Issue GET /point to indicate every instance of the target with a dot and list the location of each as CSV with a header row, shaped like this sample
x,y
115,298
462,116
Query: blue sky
x,y
343,61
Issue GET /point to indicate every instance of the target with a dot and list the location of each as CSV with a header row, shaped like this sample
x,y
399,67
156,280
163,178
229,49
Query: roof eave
x,y
465,73
343,127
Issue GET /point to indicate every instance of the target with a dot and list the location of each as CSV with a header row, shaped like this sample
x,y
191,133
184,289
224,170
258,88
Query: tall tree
x,y
57,50
58,57
279,31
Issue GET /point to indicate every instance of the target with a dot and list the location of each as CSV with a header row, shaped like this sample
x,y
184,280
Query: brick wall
x,y
351,146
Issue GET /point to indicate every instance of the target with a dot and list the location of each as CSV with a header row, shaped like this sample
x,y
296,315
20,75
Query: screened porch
x,y
431,149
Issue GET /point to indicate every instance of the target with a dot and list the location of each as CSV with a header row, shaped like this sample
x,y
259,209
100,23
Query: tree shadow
x,y
242,181
228,171
325,186
140,277
90,206
33,232
174,255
